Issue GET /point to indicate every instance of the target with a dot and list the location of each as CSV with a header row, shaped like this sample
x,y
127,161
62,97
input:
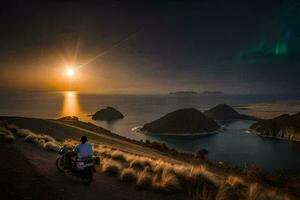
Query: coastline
x,y
177,134
266,136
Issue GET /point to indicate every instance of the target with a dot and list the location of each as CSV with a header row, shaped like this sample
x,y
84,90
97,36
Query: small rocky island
x,y
108,114
183,93
212,93
284,127
183,121
224,112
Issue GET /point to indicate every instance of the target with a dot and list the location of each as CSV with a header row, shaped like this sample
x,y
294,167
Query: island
x,y
284,127
212,92
183,93
183,121
224,112
108,114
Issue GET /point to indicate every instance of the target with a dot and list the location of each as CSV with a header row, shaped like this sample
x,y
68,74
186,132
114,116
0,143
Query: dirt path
x,y
20,179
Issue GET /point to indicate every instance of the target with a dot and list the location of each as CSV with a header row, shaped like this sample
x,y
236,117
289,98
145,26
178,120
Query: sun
x,y
70,72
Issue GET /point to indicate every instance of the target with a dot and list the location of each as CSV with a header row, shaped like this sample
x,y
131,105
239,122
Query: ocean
x,y
234,145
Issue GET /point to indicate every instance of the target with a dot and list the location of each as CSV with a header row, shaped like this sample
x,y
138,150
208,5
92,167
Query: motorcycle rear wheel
x,y
88,177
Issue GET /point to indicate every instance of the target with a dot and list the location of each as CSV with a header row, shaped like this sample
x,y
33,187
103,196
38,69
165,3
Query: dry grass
x,y
51,146
159,166
167,181
12,127
9,138
39,139
254,192
201,184
235,181
140,163
111,166
118,155
202,172
7,135
128,175
144,179
4,131
183,172
69,143
45,141
24,132
160,175
226,192
157,174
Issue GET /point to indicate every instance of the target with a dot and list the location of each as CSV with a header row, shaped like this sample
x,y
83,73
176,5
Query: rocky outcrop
x,y
108,114
183,121
224,112
285,127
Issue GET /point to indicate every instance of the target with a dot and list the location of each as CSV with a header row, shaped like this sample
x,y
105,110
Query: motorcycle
x,y
80,167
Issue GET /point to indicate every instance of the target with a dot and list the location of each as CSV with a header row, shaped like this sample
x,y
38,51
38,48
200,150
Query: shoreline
x,y
176,134
185,134
138,131
266,136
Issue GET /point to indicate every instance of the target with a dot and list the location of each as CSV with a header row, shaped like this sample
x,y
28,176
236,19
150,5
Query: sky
x,y
140,47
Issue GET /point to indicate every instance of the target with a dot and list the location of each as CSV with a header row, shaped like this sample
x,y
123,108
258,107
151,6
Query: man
x,y
82,150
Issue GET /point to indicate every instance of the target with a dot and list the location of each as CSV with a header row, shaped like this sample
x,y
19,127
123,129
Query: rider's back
x,y
84,150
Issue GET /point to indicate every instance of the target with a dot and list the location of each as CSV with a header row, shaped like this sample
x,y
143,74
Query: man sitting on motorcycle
x,y
82,150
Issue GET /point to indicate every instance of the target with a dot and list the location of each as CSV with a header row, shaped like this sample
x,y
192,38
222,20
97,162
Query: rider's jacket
x,y
84,150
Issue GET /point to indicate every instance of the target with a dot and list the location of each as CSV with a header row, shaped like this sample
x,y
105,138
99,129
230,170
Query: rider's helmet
x,y
83,139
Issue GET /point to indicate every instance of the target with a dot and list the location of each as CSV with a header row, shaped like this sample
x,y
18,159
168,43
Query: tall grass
x,y
161,175
167,181
7,135
111,166
140,163
128,175
144,179
45,141
118,155
12,127
254,192
51,146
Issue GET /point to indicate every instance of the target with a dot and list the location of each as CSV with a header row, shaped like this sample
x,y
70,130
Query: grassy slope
x,y
70,129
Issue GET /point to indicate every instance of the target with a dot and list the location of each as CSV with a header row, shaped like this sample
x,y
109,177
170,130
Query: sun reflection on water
x,y
71,106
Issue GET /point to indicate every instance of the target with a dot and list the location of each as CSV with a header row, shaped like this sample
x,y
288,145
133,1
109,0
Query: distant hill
x,y
212,92
183,93
187,120
285,127
225,112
